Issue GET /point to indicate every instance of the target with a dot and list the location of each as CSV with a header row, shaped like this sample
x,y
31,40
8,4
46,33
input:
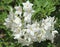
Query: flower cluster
x,y
26,31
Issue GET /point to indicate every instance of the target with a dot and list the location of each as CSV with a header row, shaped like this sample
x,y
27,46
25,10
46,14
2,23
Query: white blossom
x,y
28,11
25,30
48,23
27,6
9,19
48,26
18,10
27,17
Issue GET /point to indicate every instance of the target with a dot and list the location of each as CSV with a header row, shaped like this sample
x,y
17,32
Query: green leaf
x,y
3,15
7,1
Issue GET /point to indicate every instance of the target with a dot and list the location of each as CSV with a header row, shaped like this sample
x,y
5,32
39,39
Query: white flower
x,y
18,10
27,31
41,36
27,19
9,19
34,31
48,26
7,23
28,11
16,25
27,16
48,23
23,37
16,36
53,35
27,6
17,20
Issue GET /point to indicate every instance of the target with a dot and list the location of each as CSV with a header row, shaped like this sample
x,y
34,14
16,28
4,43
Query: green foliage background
x,y
42,9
